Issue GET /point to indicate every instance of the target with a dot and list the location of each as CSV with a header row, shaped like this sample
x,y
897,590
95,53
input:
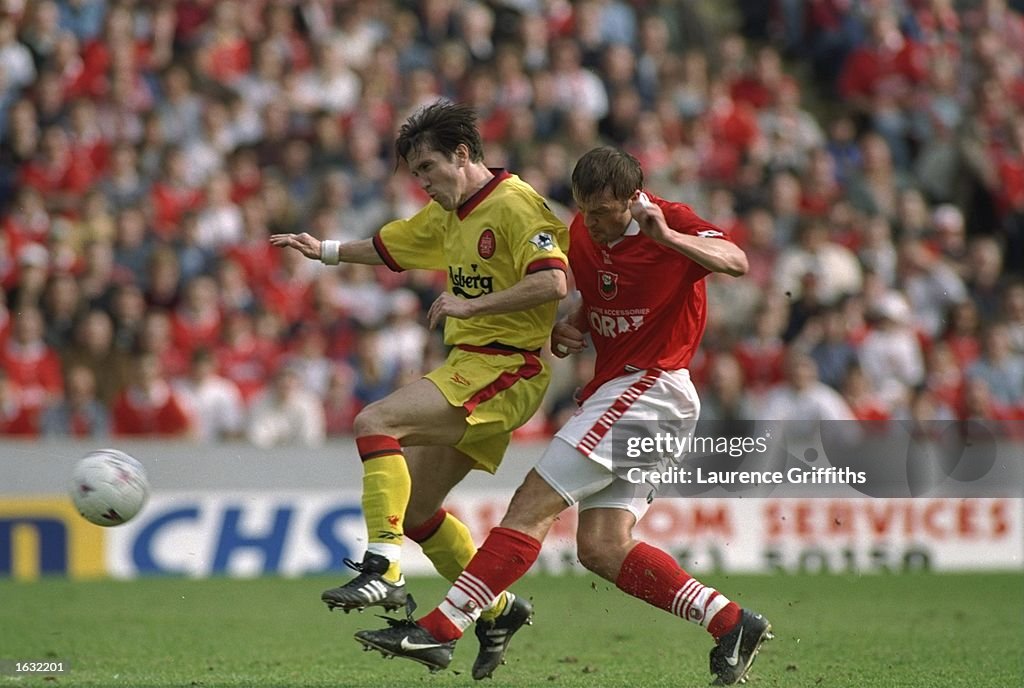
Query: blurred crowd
x,y
868,155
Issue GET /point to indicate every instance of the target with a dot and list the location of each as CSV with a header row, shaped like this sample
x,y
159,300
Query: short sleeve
x,y
413,243
539,241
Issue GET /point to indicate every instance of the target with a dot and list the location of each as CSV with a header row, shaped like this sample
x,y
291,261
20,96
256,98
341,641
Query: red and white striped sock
x,y
502,560
653,576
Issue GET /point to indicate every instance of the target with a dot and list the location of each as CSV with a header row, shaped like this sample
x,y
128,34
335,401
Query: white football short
x,y
585,461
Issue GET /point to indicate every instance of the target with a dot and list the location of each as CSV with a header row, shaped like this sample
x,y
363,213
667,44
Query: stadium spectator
x,y
999,367
15,57
340,403
376,375
308,359
828,343
16,417
94,349
403,338
163,279
32,366
802,396
984,275
1013,315
133,243
148,405
197,320
245,357
224,54
61,304
890,354
213,401
962,332
860,396
219,222
725,398
286,413
233,291
155,338
174,192
128,308
33,264
80,413
760,353
981,404
931,286
180,109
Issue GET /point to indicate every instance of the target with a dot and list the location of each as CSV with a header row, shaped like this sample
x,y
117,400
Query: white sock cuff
x,y
390,552
461,617
717,604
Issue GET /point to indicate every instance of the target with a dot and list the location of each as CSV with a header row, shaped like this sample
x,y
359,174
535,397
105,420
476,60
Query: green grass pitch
x,y
932,631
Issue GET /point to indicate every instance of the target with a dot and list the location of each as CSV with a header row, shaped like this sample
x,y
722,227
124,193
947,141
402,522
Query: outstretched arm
x,y
361,251
717,255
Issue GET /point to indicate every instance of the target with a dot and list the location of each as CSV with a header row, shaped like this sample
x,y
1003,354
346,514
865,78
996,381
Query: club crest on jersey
x,y
486,243
607,284
543,241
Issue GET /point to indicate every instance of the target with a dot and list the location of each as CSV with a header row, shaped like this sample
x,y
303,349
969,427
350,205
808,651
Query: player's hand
x,y
449,305
566,339
649,216
305,244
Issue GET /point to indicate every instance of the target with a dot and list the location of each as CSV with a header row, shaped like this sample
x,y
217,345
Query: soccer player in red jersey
x,y
639,263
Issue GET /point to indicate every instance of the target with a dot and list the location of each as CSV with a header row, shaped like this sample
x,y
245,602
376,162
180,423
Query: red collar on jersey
x,y
500,174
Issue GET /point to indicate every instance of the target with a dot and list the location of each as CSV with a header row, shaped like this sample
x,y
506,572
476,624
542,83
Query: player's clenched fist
x,y
448,304
648,215
304,243
566,339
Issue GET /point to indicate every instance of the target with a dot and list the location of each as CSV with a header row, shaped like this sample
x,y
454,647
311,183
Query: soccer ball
x,y
109,487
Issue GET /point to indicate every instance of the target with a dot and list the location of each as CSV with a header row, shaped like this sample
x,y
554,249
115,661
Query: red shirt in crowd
x,y
36,371
159,413
869,71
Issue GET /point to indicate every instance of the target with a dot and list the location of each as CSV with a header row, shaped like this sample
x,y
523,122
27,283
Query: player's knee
x,y
589,556
370,421
597,553
418,512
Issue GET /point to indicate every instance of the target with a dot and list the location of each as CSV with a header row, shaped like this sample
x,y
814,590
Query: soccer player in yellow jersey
x,y
504,252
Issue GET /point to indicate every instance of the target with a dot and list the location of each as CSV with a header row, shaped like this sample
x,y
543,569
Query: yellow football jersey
x,y
504,232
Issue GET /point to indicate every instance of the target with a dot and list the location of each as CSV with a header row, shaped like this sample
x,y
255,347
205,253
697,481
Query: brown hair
x,y
440,126
606,168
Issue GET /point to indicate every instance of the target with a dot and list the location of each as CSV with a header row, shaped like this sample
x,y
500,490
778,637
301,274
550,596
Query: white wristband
x,y
330,252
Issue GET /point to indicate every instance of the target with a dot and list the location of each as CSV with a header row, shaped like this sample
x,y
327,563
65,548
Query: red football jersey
x,y
645,304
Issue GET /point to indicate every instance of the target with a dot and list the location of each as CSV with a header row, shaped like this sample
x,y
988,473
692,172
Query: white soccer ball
x,y
109,487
